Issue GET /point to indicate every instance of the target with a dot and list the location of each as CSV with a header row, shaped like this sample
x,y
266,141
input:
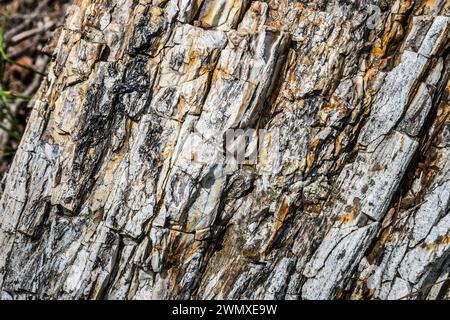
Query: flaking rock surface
x,y
113,193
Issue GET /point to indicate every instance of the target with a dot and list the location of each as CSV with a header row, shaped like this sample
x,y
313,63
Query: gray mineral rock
x,y
123,188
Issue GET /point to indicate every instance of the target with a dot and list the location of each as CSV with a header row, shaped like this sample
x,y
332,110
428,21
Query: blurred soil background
x,y
28,33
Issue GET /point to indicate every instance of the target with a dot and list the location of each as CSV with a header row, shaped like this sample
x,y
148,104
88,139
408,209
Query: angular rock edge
x,y
111,194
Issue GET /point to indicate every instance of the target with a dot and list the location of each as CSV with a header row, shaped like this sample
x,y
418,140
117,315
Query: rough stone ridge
x,y
113,193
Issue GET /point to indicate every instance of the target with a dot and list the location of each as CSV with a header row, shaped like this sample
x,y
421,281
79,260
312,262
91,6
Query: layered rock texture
x,y
121,190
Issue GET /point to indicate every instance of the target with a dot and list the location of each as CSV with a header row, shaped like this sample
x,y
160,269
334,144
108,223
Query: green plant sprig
x,y
3,54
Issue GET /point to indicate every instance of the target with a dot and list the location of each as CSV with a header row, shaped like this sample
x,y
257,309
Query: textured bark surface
x,y
112,194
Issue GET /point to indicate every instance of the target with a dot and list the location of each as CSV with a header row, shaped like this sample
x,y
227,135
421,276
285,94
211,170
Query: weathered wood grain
x,y
119,189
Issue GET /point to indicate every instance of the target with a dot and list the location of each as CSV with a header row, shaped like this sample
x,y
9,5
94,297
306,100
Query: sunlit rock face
x,y
123,188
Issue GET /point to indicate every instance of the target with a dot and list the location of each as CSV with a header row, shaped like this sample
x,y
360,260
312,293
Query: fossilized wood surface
x,y
105,200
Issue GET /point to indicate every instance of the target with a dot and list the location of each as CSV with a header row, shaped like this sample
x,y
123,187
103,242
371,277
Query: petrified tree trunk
x,y
112,193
